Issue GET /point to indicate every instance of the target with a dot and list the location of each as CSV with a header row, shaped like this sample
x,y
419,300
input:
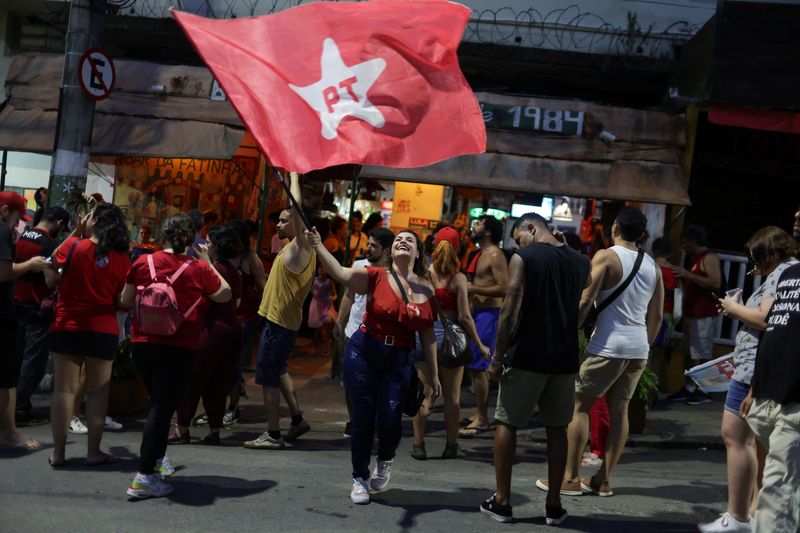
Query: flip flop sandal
x,y
465,421
27,446
56,465
106,460
469,432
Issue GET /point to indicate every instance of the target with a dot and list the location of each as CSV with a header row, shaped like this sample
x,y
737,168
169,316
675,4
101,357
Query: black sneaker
x,y
698,397
554,516
347,428
230,417
680,396
418,452
501,513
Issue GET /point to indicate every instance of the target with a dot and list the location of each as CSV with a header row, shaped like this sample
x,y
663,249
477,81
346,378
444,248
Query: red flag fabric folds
x,y
325,84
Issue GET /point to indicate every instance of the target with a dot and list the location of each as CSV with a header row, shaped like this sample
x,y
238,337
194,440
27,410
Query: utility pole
x,y
73,141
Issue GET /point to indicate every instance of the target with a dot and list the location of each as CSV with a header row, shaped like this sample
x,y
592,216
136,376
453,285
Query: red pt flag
x,y
326,84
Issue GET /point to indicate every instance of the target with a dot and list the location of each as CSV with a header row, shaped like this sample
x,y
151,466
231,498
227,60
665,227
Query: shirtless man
x,y
488,275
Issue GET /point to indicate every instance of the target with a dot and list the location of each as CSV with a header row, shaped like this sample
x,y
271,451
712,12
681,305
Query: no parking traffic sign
x,y
96,74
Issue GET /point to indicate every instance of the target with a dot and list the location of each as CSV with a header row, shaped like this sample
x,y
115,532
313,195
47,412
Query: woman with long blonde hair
x,y
450,286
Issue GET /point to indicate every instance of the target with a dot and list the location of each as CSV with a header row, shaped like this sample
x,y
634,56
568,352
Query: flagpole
x,y
263,201
353,196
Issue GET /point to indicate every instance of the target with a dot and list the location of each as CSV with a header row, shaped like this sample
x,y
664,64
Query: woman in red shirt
x,y
452,298
378,358
217,367
166,362
84,330
254,279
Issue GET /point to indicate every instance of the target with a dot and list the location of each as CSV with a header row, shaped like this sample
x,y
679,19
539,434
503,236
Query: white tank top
x,y
621,330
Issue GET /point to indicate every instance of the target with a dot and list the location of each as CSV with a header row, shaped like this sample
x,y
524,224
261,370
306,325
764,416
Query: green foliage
x,y
647,388
124,367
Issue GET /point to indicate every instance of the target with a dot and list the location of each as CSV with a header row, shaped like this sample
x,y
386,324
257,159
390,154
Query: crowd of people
x,y
199,297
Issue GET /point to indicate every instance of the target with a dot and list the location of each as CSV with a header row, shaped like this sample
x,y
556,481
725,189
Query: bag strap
x,y
400,286
151,266
180,270
192,308
619,290
69,258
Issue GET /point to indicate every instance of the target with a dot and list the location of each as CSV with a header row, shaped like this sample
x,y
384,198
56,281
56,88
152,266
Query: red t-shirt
x,y
89,289
698,302
31,287
387,314
670,284
197,281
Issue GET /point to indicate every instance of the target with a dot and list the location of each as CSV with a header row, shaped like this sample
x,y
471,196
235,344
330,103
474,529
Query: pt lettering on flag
x,y
325,84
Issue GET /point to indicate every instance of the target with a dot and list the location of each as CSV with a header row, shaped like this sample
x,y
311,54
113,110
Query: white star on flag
x,y
342,90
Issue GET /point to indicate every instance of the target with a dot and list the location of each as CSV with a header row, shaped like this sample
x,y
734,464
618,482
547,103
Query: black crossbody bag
x,y
591,319
415,394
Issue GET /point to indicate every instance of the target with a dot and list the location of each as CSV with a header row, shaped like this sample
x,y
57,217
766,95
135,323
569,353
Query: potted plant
x,y
644,394
127,394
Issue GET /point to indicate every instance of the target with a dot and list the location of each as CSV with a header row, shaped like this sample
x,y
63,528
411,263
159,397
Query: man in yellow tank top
x,y
287,287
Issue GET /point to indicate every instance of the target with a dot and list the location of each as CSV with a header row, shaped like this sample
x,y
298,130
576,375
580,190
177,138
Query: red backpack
x,y
156,306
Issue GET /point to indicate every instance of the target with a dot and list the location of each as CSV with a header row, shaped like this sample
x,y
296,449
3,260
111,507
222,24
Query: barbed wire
x,y
563,29
570,29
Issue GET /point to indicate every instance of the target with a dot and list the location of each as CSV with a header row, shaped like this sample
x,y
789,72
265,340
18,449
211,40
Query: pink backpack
x,y
156,305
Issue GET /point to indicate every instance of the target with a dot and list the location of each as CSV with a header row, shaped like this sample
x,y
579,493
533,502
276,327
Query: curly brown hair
x,y
178,231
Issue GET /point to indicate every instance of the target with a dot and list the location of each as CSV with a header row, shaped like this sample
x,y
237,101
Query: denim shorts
x,y
274,349
438,330
736,394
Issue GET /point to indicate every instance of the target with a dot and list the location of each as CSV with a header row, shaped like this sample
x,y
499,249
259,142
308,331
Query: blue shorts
x,y
438,330
486,324
736,394
274,349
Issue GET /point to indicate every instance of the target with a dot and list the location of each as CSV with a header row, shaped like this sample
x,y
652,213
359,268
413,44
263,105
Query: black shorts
x,y
85,343
10,356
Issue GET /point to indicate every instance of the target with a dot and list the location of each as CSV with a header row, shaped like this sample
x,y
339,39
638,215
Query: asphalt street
x,y
306,487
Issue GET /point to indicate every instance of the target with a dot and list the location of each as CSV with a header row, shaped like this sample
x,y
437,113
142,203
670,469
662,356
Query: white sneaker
x,y
164,468
724,524
148,486
591,459
380,477
111,424
360,493
77,427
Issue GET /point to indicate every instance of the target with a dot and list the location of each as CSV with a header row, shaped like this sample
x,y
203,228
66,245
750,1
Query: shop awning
x,y
136,120
555,147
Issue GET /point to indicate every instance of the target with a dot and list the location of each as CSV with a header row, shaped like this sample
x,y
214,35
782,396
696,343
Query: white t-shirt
x,y
359,306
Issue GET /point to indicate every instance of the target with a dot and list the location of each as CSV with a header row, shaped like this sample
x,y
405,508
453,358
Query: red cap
x,y
15,202
448,234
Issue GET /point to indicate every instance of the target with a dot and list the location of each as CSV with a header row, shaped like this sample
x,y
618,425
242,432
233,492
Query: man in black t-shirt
x,y
12,208
30,291
546,279
774,415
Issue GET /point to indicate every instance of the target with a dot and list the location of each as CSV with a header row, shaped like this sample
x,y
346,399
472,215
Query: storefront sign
x,y
529,118
496,213
151,189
